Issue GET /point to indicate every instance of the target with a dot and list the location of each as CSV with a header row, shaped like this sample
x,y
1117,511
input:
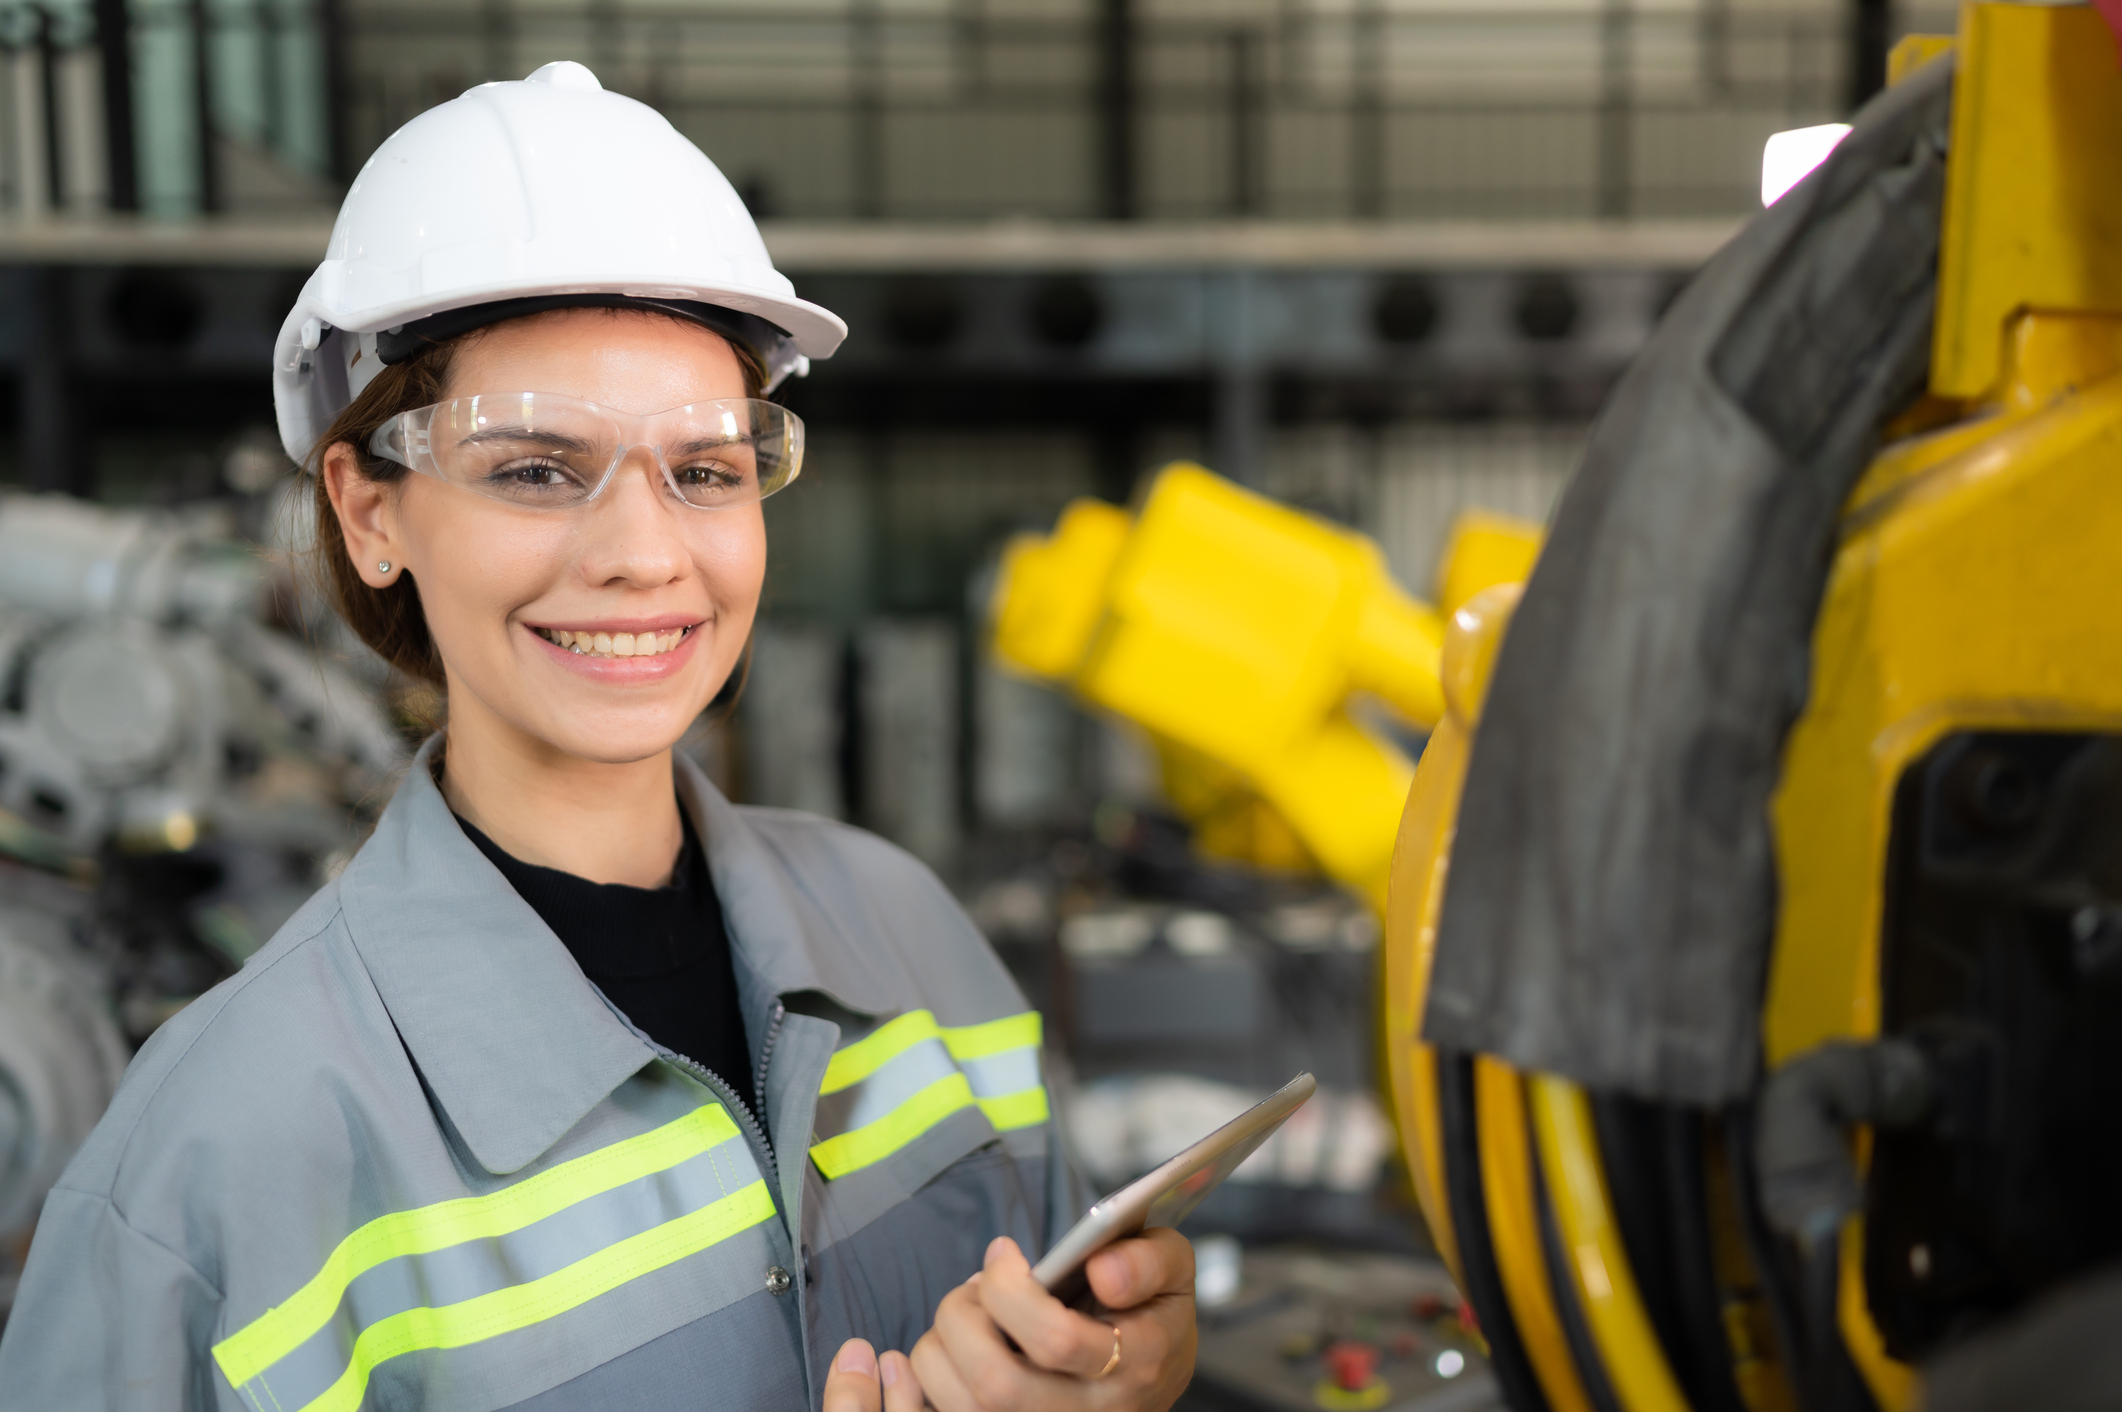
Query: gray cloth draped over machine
x,y
1612,890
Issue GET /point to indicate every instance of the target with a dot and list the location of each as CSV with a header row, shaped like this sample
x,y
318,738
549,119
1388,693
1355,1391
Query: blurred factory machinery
x,y
1748,980
179,770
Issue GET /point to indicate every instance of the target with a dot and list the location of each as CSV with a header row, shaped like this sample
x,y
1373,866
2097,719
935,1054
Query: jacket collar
x,y
511,1038
783,942
513,1041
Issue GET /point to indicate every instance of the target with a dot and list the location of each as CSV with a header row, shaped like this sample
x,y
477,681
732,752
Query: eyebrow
x,y
551,439
706,443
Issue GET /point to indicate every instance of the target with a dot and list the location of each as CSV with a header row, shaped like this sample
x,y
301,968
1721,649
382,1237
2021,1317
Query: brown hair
x,y
390,619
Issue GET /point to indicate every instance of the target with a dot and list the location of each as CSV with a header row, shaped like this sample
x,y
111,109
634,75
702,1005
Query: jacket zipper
x,y
754,1133
766,1050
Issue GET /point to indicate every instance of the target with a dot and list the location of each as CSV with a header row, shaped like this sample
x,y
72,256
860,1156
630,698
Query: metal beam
x,y
331,28
114,45
864,247
209,156
1617,127
868,153
50,448
48,81
1870,36
1367,178
1248,149
1116,110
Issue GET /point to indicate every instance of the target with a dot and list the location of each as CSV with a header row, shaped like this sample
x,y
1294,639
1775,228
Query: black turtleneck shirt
x,y
661,954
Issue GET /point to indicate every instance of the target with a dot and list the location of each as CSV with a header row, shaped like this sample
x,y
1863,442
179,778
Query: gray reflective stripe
x,y
476,1267
1008,1072
898,1080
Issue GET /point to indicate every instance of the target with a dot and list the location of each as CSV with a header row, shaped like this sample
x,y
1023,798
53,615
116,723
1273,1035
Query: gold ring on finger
x,y
1114,1361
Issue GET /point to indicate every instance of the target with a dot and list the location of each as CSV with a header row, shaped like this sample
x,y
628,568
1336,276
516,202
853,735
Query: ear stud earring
x,y
383,566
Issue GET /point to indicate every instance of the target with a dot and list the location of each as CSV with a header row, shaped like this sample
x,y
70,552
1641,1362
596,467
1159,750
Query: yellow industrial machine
x,y
1947,834
1242,635
1931,1130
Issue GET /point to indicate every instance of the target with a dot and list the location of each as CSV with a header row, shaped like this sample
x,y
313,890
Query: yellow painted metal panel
x,y
1892,1383
2033,209
1912,52
1420,861
1974,588
1484,549
1977,593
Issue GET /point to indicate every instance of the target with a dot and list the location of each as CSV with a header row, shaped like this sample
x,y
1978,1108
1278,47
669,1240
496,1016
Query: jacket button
x,y
777,1280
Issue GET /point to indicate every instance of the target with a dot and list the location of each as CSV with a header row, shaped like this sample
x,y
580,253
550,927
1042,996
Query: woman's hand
x,y
966,1364
861,1382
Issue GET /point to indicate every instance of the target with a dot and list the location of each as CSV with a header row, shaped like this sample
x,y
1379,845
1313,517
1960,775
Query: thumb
x,y
852,1384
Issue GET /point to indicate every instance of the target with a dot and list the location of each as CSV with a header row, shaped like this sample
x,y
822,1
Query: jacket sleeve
x,y
108,1319
1068,1195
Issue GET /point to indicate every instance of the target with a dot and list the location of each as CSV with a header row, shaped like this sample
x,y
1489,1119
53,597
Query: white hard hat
x,y
521,196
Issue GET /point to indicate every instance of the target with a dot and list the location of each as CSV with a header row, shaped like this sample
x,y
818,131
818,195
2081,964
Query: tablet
x,y
1168,1195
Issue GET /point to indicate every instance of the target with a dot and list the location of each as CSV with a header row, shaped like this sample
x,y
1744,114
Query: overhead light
x,y
1789,156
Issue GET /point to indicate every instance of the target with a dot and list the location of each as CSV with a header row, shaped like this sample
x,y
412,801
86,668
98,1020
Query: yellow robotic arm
x,y
1236,631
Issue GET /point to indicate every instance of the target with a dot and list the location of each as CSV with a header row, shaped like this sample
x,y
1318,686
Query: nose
x,y
631,537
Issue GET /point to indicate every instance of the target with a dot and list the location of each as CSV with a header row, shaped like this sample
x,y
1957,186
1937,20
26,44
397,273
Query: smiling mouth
x,y
615,644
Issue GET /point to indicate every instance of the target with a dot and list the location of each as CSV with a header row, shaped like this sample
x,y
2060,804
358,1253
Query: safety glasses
x,y
543,451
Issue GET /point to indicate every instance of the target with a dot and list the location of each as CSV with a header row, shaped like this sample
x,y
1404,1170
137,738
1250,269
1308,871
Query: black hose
x,y
1653,1157
1775,1263
1576,1328
1477,1254
1683,1140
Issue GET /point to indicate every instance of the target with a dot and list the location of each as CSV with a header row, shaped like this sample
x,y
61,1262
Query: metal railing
x,y
166,106
859,111
968,109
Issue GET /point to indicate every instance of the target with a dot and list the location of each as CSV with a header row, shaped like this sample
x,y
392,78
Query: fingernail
x,y
891,1371
857,1358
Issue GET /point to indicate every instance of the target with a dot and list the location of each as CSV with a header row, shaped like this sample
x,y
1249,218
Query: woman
x,y
578,1088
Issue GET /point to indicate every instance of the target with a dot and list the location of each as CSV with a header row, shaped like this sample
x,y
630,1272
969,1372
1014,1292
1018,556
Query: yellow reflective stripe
x,y
1026,1108
282,1329
979,1041
873,1142
519,1306
872,1052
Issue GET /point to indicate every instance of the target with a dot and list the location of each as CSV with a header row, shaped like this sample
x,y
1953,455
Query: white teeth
x,y
617,644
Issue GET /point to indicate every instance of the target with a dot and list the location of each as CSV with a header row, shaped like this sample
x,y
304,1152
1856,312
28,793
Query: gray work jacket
x,y
411,1158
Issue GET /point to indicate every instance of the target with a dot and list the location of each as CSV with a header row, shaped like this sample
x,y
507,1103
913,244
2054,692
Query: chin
x,y
624,743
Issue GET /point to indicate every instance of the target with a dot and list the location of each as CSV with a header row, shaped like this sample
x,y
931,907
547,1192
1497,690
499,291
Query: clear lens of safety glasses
x,y
544,451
